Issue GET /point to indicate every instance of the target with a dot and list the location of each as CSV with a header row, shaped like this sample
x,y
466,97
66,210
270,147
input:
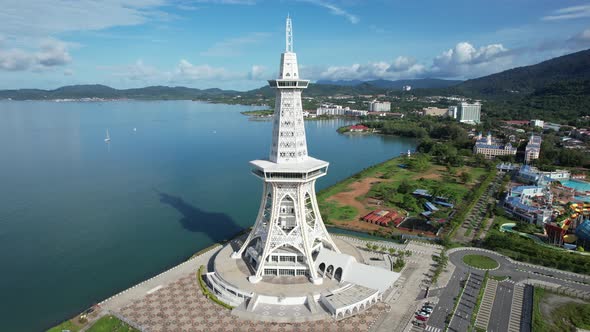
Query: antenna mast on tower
x,y
289,36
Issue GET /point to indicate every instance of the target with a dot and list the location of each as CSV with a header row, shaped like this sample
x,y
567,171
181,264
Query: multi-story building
x,y
453,112
491,148
468,113
537,123
356,112
330,109
379,106
533,148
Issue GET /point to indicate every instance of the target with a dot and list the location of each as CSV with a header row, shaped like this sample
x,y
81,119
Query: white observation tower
x,y
289,231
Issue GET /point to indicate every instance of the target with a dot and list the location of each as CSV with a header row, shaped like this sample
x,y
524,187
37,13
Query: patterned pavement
x,y
182,307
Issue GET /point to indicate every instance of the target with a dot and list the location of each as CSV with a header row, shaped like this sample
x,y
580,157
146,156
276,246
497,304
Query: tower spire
x,y
289,227
289,35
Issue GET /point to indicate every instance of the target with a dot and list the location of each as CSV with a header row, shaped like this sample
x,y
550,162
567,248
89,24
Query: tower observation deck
x,y
289,231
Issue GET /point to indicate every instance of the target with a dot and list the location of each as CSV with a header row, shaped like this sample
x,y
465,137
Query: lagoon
x,y
81,219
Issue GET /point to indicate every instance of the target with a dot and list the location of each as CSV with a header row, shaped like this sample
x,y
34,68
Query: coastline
x,y
151,283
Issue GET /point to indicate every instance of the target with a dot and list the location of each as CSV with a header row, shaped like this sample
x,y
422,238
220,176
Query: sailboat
x,y
108,138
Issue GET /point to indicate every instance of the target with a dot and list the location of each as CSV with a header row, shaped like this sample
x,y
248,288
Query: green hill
x,y
527,80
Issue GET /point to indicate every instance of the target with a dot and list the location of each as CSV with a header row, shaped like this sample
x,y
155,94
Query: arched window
x,y
330,270
338,274
322,267
287,219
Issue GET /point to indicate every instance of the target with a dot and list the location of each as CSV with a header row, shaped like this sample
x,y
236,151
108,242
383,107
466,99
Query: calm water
x,y
81,220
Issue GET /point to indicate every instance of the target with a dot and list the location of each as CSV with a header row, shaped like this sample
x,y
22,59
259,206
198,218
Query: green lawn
x,y
538,319
111,324
565,317
67,325
480,262
335,211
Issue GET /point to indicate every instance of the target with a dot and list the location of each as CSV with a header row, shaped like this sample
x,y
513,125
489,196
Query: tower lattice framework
x,y
289,229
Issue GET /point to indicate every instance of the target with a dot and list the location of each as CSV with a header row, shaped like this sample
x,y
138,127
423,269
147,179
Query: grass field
x,y
386,182
538,320
111,324
335,211
480,262
67,325
553,313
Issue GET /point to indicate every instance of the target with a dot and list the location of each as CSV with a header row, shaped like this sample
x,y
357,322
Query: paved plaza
x,y
181,306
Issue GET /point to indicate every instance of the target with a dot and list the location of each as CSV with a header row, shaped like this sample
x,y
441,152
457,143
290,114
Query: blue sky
x,y
235,44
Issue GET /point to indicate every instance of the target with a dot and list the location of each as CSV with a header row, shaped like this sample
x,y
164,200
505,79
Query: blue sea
x,y
81,219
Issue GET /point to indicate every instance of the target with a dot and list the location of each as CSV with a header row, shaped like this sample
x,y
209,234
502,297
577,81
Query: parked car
x,y
422,318
418,323
427,309
424,313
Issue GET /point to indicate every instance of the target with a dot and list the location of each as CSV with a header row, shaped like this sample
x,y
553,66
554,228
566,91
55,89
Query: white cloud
x,y
464,60
15,59
258,72
138,71
42,18
401,67
234,46
569,13
402,63
51,53
581,39
335,10
186,71
228,2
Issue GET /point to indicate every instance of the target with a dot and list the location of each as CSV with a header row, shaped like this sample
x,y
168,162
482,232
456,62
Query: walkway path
x,y
487,304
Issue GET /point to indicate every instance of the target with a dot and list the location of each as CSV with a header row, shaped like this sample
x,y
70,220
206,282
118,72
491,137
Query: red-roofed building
x,y
358,128
383,218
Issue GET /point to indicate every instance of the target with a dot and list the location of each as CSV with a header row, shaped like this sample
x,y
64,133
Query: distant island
x,y
259,113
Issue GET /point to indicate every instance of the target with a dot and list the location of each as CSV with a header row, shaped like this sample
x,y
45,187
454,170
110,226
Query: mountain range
x,y
531,79
556,89
421,83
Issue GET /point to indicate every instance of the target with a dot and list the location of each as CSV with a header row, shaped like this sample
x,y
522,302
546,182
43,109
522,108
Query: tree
x,y
404,187
391,251
419,164
466,177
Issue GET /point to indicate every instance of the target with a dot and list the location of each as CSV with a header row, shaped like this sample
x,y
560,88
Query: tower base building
x,y
289,268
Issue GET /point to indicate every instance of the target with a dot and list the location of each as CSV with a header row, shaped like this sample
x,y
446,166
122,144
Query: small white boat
x,y
108,138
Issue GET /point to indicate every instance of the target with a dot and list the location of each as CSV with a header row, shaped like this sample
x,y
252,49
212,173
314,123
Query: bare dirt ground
x,y
357,189
349,197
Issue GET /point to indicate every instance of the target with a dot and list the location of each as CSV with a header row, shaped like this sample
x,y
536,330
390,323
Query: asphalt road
x,y
446,299
521,272
501,309
502,304
527,310
462,317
